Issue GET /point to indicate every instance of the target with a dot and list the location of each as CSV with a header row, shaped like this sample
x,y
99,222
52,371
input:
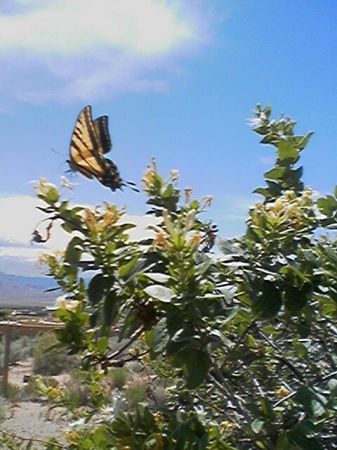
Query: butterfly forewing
x,y
84,146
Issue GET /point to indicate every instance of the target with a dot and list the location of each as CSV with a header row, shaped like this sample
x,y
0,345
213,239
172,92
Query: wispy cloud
x,y
233,214
60,49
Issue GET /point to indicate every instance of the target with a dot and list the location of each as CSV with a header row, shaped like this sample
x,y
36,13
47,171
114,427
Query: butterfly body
x,y
89,143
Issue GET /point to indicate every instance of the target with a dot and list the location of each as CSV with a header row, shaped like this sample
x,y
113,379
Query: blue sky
x,y
178,79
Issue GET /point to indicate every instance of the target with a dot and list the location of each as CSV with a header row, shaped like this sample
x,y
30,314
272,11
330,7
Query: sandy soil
x,y
30,419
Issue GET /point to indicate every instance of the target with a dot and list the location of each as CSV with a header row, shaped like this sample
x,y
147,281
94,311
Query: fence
x,y
30,327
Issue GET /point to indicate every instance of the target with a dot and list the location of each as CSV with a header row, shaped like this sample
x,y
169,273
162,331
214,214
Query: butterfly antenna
x,y
131,185
56,152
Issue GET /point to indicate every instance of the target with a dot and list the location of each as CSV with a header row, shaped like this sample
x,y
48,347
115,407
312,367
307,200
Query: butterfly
x,y
89,143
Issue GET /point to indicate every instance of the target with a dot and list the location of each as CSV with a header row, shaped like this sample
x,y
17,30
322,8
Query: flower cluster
x,y
69,305
288,211
98,222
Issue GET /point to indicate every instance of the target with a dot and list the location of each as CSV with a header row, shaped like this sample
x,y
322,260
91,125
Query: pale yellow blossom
x,y
160,239
226,425
190,220
73,305
66,183
174,175
207,201
282,392
188,193
61,302
90,218
195,240
149,178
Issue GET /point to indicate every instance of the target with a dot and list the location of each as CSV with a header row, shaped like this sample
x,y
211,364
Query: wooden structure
x,y
31,327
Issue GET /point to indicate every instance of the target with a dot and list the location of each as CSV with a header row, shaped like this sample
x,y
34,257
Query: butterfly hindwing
x,y
101,125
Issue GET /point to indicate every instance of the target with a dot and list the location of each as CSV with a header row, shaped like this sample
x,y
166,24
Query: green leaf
x,y
270,138
157,277
101,438
102,344
268,301
197,364
275,174
96,289
274,188
266,408
111,307
287,150
160,293
64,315
282,442
52,195
178,240
302,141
295,298
301,349
257,425
304,396
74,251
327,306
131,268
194,204
169,191
297,436
327,205
157,338
318,409
262,191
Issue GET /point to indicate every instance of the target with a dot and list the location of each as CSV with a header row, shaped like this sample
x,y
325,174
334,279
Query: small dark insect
x,y
89,143
37,237
209,238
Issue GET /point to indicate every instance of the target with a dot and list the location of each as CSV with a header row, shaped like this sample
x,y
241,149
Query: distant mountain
x,y
23,291
44,282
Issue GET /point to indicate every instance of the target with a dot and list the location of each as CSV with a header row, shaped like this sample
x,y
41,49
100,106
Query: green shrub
x,y
244,344
76,390
135,392
119,377
50,359
3,409
13,391
21,349
30,391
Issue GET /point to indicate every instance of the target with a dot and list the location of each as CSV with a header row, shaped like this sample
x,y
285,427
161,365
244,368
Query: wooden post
x,y
7,344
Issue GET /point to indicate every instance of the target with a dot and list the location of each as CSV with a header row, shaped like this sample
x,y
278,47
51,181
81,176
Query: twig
x,y
222,411
133,338
234,398
244,334
40,441
326,377
282,359
284,399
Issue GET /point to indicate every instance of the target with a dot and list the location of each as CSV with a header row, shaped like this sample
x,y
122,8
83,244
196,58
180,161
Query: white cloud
x,y
19,217
61,49
233,214
74,27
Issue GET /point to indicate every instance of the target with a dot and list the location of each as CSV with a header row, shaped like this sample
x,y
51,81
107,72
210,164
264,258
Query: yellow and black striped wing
x,y
101,125
85,148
